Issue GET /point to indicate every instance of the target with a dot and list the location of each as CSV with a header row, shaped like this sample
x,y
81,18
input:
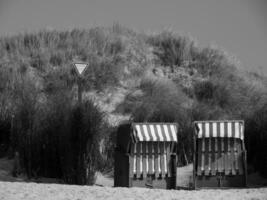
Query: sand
x,y
18,190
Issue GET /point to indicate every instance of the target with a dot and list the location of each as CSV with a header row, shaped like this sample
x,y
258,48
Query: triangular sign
x,y
80,67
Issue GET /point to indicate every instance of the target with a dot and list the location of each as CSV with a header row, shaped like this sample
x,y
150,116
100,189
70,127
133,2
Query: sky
x,y
237,26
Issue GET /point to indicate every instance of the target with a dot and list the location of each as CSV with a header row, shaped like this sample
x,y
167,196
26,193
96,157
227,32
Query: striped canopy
x,y
154,132
230,129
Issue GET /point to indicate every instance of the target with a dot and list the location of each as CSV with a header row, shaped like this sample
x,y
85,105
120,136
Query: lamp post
x,y
80,69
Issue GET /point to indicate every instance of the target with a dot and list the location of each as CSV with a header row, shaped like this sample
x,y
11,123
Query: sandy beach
x,y
34,191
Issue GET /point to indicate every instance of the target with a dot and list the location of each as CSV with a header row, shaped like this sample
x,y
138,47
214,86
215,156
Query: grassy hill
x,y
142,77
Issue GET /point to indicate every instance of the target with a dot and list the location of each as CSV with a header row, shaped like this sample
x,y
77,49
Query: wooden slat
x,y
206,167
147,167
165,158
131,156
229,156
227,161
156,159
144,158
138,161
204,148
209,164
227,131
213,162
162,159
168,158
233,156
199,155
202,155
159,159
134,159
141,159
238,150
150,158
223,155
220,163
211,153
153,158
216,164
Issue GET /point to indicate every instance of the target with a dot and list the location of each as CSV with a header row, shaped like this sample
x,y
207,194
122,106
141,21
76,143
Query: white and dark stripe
x,y
155,132
229,129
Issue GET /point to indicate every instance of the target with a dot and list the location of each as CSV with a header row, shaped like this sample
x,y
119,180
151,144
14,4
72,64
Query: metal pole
x,y
79,91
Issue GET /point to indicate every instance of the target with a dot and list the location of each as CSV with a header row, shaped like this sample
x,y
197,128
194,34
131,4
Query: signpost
x,y
80,69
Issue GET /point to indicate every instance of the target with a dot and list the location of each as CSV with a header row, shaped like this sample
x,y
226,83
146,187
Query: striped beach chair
x,y
146,155
220,154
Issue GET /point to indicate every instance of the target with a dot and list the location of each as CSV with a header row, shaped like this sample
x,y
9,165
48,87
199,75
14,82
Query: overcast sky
x,y
238,26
